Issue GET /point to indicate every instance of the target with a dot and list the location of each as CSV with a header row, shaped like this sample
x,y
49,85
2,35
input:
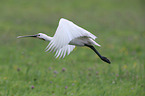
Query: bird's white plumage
x,y
67,36
64,50
66,32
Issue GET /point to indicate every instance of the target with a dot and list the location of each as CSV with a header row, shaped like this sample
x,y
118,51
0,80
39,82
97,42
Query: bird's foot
x,y
105,59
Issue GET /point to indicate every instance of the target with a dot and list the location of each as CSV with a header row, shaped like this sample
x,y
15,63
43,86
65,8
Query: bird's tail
x,y
95,43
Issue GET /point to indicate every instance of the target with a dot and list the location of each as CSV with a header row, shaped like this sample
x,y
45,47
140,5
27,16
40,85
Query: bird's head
x,y
42,36
39,35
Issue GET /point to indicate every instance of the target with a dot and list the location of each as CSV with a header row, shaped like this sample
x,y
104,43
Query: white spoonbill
x,y
67,36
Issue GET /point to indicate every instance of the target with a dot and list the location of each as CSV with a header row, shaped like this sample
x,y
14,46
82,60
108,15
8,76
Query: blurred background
x,y
118,24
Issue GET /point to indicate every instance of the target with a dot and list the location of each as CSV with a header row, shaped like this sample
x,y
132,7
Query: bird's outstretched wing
x,y
66,32
64,50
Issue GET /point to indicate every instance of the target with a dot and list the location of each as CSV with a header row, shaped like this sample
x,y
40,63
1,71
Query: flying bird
x,y
67,36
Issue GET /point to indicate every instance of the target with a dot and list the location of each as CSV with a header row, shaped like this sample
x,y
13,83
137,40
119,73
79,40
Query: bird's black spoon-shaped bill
x,y
27,36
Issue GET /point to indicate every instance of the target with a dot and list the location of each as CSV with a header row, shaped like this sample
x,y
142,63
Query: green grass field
x,y
27,70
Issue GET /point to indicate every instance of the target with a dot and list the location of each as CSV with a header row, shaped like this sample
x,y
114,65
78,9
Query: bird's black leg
x,y
101,57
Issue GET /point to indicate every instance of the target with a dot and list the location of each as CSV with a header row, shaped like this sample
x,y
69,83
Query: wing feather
x,y
66,32
61,53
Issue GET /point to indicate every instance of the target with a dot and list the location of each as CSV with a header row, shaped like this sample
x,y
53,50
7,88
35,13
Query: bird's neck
x,y
47,38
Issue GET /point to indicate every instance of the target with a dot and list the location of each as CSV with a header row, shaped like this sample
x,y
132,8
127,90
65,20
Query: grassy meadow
x,y
27,70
